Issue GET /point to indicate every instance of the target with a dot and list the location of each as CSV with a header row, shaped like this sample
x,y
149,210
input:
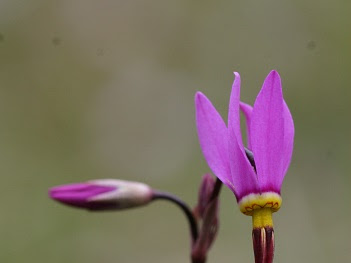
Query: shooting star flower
x,y
256,184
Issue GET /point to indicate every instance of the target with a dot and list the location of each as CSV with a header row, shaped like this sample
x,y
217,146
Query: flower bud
x,y
207,213
105,194
204,196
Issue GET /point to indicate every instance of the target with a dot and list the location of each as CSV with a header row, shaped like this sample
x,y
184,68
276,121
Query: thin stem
x,y
184,207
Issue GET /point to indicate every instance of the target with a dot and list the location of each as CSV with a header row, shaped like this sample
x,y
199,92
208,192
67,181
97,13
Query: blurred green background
x,y
104,89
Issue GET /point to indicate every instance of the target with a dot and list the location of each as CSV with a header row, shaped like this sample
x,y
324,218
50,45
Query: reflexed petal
x,y
267,133
289,132
247,110
213,136
243,175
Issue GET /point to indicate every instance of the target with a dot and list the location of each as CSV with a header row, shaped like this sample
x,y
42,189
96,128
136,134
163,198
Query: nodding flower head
x,y
270,135
106,194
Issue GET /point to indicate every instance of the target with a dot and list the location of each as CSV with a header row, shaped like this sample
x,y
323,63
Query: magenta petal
x,y
267,134
243,175
213,136
247,110
78,195
289,132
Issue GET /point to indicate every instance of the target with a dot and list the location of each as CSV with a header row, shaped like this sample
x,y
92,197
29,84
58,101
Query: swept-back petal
x,y
213,137
243,175
267,133
247,110
289,132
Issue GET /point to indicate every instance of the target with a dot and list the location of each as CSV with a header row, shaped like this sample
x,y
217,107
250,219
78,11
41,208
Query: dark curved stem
x,y
183,206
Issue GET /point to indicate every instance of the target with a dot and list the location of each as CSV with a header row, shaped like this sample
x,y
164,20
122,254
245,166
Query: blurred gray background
x,y
104,89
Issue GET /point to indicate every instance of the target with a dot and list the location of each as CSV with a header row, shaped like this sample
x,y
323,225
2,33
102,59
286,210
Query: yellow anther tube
x,y
260,207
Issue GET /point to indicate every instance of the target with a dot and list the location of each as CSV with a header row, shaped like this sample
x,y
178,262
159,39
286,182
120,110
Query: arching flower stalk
x,y
116,195
255,176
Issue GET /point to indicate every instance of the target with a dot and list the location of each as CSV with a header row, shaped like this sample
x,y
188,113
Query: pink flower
x,y
270,130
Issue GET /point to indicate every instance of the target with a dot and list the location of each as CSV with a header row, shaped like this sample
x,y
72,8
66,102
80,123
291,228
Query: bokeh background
x,y
104,89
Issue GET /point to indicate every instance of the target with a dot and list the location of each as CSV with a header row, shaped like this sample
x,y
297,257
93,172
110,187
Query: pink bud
x,y
106,194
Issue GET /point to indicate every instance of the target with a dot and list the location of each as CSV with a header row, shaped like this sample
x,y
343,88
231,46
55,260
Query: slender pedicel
x,y
157,195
